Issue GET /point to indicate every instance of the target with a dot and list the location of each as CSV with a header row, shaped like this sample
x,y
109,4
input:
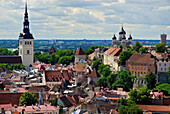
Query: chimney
x,y
76,79
2,111
23,111
88,81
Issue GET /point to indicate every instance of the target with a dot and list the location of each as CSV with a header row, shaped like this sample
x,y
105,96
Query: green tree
x,y
164,87
54,102
104,70
60,109
111,79
124,56
102,81
53,59
160,48
96,64
150,80
133,95
137,46
143,50
128,106
123,80
28,99
144,96
15,52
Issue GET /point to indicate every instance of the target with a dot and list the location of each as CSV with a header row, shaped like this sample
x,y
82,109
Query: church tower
x,y
26,43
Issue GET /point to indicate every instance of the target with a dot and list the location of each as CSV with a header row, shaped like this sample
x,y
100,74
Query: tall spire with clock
x,y
26,42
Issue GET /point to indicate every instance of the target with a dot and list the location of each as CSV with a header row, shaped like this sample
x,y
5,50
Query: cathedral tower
x,y
26,43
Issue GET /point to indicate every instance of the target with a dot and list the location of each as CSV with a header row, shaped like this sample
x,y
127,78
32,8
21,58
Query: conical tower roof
x,y
80,51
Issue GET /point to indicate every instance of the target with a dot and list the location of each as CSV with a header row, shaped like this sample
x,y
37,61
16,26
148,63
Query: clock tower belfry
x,y
26,43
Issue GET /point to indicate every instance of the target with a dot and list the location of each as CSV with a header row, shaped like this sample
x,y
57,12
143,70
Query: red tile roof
x,y
137,57
80,51
52,50
6,106
56,75
155,108
10,97
37,108
156,55
65,101
94,74
72,101
113,51
11,59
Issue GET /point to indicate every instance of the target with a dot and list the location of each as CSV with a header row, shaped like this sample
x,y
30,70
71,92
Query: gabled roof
x,y
94,74
145,57
80,51
52,50
56,75
155,108
114,51
66,102
11,59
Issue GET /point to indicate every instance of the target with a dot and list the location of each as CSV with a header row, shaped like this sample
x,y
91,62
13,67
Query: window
x,y
25,43
30,42
148,69
21,51
141,68
138,68
144,68
165,69
49,84
150,64
164,64
132,67
135,68
161,69
159,64
28,51
21,42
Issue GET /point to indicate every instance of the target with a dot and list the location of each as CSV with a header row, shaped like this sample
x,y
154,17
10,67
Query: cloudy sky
x,y
90,19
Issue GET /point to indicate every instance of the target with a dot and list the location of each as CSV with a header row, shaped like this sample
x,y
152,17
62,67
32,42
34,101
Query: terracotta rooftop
x,y
156,55
6,106
66,102
155,108
137,57
52,50
94,74
113,51
56,75
11,59
37,108
79,69
80,51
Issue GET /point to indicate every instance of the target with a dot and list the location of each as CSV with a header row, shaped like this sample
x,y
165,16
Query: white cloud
x,y
86,18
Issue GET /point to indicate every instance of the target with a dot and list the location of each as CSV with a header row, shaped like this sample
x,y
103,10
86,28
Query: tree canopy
x,y
4,51
142,96
160,48
96,64
13,66
137,46
123,80
150,80
143,50
164,87
28,99
128,106
102,82
124,56
104,70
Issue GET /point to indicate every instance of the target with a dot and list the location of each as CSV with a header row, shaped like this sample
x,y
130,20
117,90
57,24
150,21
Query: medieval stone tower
x,y
26,43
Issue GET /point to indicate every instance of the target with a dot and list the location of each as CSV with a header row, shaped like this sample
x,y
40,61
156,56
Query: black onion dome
x,y
122,31
114,37
130,37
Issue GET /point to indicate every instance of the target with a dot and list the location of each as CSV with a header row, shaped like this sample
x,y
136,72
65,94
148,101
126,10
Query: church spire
x,y
26,22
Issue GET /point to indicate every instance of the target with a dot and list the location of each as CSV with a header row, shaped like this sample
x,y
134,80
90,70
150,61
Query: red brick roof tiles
x,y
94,74
35,108
11,59
113,51
80,51
137,57
155,108
52,50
